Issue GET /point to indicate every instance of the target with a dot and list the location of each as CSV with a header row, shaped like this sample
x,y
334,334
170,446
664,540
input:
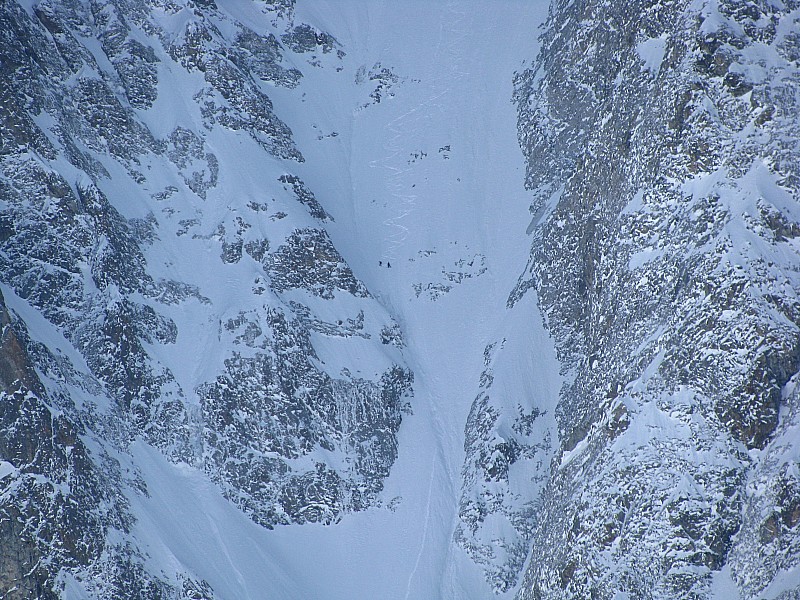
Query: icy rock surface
x,y
662,148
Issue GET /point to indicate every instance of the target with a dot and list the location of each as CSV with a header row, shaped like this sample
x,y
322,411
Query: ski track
x,y
395,129
424,530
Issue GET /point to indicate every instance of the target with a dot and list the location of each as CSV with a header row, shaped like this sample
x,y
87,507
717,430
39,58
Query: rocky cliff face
x,y
662,151
110,192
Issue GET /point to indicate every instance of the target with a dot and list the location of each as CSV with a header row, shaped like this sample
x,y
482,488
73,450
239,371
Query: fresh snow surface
x,y
429,179
651,51
6,469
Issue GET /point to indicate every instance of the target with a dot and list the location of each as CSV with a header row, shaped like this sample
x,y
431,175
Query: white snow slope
x,y
429,180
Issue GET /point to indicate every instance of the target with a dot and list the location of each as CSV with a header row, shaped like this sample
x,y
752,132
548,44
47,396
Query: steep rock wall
x,y
662,151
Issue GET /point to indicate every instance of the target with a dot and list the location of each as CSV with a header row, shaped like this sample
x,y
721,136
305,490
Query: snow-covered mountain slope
x,y
335,299
235,234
